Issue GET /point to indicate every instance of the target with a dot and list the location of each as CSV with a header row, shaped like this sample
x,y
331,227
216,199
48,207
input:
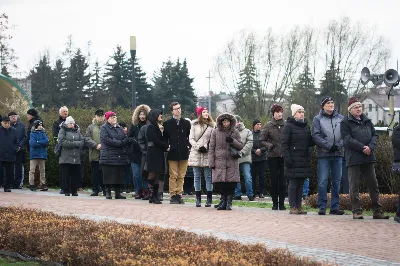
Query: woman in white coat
x,y
199,138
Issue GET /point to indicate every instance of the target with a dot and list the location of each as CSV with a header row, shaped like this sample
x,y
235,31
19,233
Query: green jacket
x,y
93,139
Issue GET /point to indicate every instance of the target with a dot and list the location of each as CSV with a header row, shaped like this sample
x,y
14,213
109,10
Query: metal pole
x,y
209,91
133,55
391,111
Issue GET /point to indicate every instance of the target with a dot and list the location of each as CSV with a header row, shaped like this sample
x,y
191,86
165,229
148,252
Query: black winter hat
x,y
99,112
325,100
32,112
5,119
12,113
256,121
37,123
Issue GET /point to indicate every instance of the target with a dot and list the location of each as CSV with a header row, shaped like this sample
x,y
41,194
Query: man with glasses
x,y
327,137
20,156
176,132
359,139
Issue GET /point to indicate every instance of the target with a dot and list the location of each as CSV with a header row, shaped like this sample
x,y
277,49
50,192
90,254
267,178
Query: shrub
x,y
76,241
388,201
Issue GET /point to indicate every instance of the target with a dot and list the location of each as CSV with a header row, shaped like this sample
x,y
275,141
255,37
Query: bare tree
x,y
8,56
353,46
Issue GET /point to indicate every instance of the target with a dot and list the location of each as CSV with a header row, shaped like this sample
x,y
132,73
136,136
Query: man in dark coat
x,y
176,132
63,114
8,151
20,158
359,139
258,160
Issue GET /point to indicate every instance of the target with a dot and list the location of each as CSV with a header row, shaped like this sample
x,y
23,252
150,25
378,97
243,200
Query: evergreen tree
x,y
303,93
144,93
332,85
41,77
58,84
95,92
77,80
172,83
248,94
117,78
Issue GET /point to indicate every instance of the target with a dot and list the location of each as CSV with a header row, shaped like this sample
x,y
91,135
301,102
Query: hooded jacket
x,y
38,143
134,152
225,168
246,137
326,133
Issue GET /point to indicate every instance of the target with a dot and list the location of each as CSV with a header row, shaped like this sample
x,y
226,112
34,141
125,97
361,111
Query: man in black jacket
x,y
20,158
258,160
63,114
8,151
359,139
176,132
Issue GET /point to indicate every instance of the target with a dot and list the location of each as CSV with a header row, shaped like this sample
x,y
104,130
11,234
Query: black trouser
x,y
258,168
278,181
97,177
345,178
368,172
8,168
295,192
398,206
70,177
19,162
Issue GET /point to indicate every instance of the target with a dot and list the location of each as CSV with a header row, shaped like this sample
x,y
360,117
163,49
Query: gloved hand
x,y
229,139
202,149
334,148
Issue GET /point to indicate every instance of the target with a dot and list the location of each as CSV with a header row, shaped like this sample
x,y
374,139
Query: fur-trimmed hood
x,y
196,122
140,108
224,116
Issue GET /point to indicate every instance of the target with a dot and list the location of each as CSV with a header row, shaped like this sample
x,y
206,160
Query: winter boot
x,y
222,204
294,211
155,195
118,193
108,192
209,199
140,194
229,202
145,194
198,198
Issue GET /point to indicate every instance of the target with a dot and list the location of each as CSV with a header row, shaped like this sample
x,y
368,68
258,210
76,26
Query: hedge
x,y
74,241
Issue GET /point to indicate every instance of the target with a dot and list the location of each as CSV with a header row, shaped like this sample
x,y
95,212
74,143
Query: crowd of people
x,y
221,151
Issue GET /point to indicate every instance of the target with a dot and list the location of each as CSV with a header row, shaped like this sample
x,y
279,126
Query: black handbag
x,y
200,138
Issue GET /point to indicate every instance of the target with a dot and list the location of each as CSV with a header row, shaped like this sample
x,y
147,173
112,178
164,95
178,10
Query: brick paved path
x,y
339,238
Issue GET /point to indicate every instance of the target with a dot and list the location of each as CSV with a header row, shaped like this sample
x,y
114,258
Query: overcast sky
x,y
195,30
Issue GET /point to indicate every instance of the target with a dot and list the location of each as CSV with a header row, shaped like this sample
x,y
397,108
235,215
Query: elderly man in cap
x,y
360,138
20,158
93,141
8,152
327,137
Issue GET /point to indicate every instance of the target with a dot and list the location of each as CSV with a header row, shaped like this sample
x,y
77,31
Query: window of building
x,y
370,108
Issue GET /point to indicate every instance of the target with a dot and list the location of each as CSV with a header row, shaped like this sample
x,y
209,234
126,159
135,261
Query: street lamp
x,y
133,55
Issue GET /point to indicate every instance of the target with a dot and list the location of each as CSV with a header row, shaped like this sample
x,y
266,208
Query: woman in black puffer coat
x,y
113,155
296,145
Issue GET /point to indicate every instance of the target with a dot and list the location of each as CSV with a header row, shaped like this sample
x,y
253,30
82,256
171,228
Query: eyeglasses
x,y
176,109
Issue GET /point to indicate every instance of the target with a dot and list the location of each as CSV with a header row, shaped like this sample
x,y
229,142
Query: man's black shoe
x,y
336,212
179,199
237,198
174,200
7,190
321,212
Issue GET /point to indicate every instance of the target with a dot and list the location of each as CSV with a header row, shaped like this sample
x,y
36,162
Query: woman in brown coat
x,y
225,168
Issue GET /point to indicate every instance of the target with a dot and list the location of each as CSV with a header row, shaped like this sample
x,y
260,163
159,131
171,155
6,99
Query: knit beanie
x,y
353,101
199,110
109,114
32,112
37,123
69,120
256,121
295,108
325,100
238,118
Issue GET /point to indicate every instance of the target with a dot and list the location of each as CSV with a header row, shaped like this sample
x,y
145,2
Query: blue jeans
x,y
197,178
334,164
306,187
245,168
127,171
138,181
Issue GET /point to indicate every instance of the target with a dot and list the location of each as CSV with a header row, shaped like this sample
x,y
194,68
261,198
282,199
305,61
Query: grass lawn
x,y
5,261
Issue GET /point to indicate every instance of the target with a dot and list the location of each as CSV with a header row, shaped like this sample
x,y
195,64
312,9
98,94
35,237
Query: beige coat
x,y
247,139
198,139
225,167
